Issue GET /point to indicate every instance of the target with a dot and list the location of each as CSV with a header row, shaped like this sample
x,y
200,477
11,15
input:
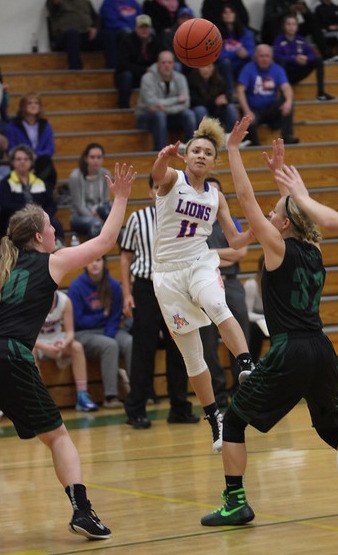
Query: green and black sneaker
x,y
235,511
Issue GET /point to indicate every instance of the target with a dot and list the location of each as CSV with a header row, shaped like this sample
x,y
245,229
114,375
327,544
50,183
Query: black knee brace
x,y
329,435
233,427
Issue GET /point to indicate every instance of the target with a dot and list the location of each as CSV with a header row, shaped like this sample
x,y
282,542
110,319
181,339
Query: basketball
x,y
197,42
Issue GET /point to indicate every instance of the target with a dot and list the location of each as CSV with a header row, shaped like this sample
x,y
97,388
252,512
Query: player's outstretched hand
x,y
276,162
171,151
290,178
123,179
239,132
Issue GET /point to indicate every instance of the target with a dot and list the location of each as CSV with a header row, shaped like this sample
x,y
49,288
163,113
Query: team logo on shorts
x,y
180,321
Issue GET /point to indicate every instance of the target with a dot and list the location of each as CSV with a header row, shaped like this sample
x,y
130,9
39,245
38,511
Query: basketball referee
x,y
140,303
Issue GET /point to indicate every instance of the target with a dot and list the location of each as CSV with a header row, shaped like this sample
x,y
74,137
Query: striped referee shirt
x,y
138,238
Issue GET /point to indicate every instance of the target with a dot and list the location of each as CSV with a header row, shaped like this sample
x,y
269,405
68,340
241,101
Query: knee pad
x,y
233,427
194,365
212,299
329,435
191,348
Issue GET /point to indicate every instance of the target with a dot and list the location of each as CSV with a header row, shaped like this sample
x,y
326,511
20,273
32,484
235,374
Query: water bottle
x,y
74,242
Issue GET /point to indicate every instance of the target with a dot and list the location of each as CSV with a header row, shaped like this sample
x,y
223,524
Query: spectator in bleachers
x,y
97,304
208,96
137,51
235,299
212,10
56,341
292,51
163,13
327,15
90,200
265,94
253,298
167,36
74,27
4,99
140,303
238,47
276,10
118,19
30,127
164,101
22,187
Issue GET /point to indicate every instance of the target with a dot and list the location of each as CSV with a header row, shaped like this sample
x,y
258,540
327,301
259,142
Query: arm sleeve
x,y
10,202
46,142
13,135
248,42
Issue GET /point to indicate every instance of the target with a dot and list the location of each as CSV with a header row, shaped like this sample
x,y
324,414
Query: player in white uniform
x,y
56,341
186,279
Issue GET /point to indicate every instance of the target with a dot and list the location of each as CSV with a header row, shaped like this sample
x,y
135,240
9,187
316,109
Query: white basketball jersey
x,y
52,327
183,222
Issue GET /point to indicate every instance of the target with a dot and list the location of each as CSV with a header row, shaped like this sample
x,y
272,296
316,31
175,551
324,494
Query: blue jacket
x,y
119,14
230,45
285,51
88,310
16,135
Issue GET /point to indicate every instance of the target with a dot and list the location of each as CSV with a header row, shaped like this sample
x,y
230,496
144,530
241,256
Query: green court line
x,y
97,420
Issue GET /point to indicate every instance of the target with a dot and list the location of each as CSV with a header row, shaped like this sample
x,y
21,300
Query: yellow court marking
x,y
29,552
145,495
273,518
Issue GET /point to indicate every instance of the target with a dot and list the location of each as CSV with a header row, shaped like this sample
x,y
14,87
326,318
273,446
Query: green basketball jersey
x,y
291,293
26,298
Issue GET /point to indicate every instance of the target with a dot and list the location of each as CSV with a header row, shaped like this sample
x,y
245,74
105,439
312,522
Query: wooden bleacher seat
x,y
61,385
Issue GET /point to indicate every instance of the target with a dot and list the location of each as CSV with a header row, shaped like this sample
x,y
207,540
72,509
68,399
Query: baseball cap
x,y
185,11
143,20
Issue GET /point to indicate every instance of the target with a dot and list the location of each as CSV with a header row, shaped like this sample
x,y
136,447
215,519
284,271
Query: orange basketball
x,y
197,42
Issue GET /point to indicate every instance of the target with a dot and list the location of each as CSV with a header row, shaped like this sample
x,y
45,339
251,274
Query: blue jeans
x,y
86,225
74,42
159,123
230,74
273,117
126,82
227,115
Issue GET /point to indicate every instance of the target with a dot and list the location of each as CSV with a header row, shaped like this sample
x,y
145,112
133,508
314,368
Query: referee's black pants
x,y
147,323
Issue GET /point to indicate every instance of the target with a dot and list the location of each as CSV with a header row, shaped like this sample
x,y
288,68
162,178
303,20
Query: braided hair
x,y
302,224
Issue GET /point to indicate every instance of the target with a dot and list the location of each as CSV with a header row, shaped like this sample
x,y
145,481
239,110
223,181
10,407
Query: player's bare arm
x,y
164,175
73,258
269,237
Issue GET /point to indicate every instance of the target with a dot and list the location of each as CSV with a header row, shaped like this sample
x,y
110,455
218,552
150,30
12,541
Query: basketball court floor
x,y
152,486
